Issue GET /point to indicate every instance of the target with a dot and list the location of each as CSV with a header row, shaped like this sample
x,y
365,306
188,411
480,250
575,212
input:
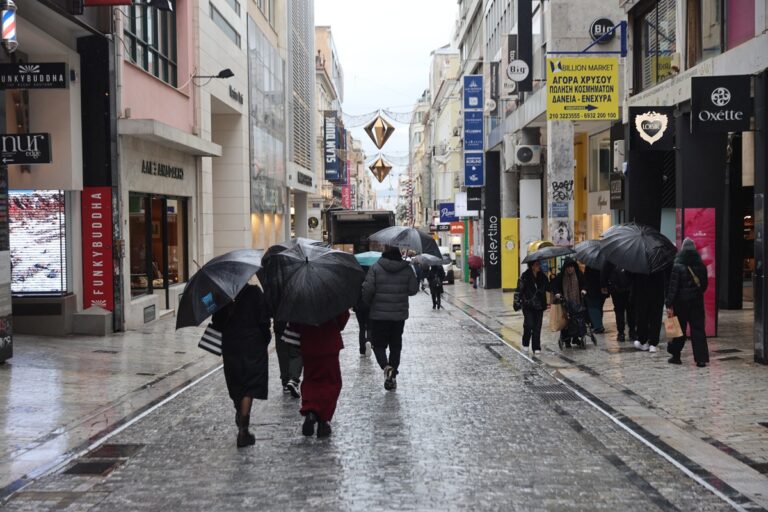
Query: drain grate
x,y
93,468
115,451
554,392
145,374
102,351
728,351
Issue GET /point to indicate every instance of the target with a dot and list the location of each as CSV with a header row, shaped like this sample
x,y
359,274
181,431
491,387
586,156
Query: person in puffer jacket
x,y
386,289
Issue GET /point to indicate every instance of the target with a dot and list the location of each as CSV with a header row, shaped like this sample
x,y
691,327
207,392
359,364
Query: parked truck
x,y
348,230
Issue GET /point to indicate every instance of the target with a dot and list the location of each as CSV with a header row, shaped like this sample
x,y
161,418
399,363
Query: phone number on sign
x,y
584,116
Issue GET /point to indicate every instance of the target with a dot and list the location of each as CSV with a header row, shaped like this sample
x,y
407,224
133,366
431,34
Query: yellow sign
x,y
583,89
510,253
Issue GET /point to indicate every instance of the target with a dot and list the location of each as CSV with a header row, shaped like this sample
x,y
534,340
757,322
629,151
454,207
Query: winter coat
x,y
322,340
436,276
682,287
245,318
617,280
532,290
387,287
557,282
593,282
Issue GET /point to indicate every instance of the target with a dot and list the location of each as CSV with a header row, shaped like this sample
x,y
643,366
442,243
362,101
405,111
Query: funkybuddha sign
x,y
583,89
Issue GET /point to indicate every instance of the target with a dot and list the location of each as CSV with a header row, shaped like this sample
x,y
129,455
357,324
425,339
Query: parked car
x,y
449,265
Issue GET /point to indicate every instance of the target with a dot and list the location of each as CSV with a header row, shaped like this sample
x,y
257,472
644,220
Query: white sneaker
x,y
368,349
652,349
537,352
641,346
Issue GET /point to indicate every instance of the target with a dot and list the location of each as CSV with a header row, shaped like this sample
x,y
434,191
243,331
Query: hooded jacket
x,y
682,286
387,287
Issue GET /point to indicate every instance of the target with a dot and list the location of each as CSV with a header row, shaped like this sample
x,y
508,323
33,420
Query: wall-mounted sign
x,y
474,174
447,212
525,42
330,146
162,170
473,130
617,189
652,128
721,103
25,148
97,247
313,222
583,88
457,228
473,92
43,75
474,199
508,55
235,95
304,179
601,31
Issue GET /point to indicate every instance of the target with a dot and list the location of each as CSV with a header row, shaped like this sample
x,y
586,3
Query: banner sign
x,y
447,212
460,202
25,148
474,199
492,223
510,253
583,88
721,103
346,196
330,146
473,130
97,248
43,75
473,92
524,65
474,174
651,128
508,55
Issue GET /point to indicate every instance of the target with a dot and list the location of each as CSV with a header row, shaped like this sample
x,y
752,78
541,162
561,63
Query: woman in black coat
x,y
435,279
244,325
531,296
685,298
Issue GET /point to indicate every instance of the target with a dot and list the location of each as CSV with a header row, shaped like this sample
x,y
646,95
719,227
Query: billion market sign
x,y
583,89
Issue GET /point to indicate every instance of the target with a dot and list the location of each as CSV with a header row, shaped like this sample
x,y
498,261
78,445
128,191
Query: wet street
x,y
473,425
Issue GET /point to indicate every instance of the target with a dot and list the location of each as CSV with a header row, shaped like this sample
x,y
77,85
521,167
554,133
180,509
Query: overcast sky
x,y
384,48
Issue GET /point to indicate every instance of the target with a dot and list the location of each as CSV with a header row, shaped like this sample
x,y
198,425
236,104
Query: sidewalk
x,y
58,394
714,418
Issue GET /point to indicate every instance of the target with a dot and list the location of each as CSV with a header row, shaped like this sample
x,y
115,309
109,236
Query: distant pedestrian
x,y
386,289
288,358
595,298
531,297
320,347
648,301
435,277
685,298
244,325
474,275
619,283
362,311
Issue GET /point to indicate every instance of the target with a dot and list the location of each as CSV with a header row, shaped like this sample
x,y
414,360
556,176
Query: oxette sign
x,y
44,75
721,104
97,248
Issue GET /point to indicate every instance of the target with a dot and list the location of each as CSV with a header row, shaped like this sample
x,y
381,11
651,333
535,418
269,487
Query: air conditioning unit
x,y
527,155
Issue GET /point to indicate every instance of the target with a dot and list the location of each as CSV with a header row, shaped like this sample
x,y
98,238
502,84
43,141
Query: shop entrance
x,y
158,239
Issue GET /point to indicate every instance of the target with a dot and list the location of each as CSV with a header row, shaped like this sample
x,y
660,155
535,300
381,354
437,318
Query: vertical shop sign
x,y
492,222
97,248
330,146
525,42
6,322
510,253
699,225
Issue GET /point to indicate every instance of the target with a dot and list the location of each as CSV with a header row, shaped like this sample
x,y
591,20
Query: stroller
x,y
578,329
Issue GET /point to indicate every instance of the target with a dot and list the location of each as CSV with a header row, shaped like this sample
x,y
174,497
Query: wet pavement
x,y
473,425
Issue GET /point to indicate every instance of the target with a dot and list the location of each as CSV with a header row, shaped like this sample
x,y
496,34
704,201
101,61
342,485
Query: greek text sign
x,y
583,88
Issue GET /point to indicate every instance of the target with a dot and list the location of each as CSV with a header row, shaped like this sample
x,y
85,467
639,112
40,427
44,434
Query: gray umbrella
x,y
589,253
547,253
407,238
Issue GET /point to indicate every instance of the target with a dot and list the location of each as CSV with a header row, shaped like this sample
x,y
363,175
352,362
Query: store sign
x,y
583,89
346,196
447,212
25,148
524,23
602,31
460,202
508,55
443,227
474,199
457,228
721,103
473,130
492,227
473,92
97,248
304,179
652,128
330,146
44,75
474,174
162,170
617,188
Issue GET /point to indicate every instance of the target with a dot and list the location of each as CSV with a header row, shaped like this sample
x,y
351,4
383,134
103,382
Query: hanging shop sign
x,y
473,130
524,46
97,248
652,128
602,31
447,212
474,174
508,55
304,179
492,224
617,189
473,92
330,146
25,148
583,88
435,228
456,228
721,103
43,75
474,199
460,202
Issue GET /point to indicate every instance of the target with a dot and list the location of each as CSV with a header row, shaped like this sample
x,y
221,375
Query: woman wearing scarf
x,y
569,286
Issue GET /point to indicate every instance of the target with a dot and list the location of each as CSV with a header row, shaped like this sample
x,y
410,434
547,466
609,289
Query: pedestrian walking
x,y
435,278
619,284
474,275
244,325
685,298
364,336
569,287
648,301
320,347
386,289
288,358
531,297
595,298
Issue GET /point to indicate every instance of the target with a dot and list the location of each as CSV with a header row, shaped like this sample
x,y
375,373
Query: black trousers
x,y
288,358
532,320
437,294
649,306
625,314
691,313
362,322
387,334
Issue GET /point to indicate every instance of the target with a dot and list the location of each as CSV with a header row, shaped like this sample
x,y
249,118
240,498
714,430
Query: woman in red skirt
x,y
320,347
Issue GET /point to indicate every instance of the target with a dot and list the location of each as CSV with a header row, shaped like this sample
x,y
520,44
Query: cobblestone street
x,y
472,426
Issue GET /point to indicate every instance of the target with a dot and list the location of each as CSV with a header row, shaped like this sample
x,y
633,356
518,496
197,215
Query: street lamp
x,y
161,5
224,73
8,16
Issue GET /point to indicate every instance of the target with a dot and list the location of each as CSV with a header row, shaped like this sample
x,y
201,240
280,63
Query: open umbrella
x,y
547,253
429,260
407,238
215,285
367,259
637,248
313,284
475,262
290,244
589,253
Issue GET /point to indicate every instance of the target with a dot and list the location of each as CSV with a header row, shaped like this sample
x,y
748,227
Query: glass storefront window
x,y
177,247
656,38
600,162
704,30
137,225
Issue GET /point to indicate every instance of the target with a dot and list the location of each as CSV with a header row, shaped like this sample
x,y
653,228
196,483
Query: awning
x,y
168,136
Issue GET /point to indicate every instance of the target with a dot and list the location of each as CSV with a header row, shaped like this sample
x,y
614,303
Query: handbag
x,y
557,319
695,278
211,340
672,327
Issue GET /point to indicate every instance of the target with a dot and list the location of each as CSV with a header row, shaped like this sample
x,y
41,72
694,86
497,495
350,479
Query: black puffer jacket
x,y
532,290
387,287
682,287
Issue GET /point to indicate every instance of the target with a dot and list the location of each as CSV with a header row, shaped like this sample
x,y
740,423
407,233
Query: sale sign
x,y
97,248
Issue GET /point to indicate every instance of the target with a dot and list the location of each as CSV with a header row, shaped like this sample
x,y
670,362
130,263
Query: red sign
x,y
97,248
700,227
457,228
346,196
93,3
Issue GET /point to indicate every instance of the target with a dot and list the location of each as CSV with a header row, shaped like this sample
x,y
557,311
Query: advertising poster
x,y
583,88
699,226
510,253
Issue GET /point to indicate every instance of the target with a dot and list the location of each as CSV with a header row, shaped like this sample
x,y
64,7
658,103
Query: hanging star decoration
x,y
379,130
380,168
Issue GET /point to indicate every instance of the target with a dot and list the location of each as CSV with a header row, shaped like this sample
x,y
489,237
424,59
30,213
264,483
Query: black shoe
x,y
674,360
389,378
308,428
620,338
323,429
599,331
701,365
293,388
244,436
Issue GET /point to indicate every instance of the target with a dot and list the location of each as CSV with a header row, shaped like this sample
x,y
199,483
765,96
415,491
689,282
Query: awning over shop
x,y
168,136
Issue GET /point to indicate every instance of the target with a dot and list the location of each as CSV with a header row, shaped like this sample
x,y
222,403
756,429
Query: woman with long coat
x,y
435,279
532,288
685,298
569,286
244,325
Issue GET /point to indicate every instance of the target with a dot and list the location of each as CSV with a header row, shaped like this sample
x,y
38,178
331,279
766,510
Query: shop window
x,y
704,29
225,26
600,162
38,242
656,39
150,37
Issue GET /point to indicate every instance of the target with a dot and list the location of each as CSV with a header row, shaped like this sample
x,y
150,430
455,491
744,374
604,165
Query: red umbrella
x,y
475,262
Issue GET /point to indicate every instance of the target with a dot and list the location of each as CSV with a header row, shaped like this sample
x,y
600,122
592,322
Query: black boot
x,y
323,429
309,424
674,359
244,436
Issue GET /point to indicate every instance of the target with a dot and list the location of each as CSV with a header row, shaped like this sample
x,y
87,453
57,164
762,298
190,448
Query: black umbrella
x,y
589,253
407,238
313,284
547,253
216,285
271,290
637,248
290,244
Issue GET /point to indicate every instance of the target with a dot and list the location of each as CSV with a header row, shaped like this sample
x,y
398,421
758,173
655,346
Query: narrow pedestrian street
x,y
473,425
